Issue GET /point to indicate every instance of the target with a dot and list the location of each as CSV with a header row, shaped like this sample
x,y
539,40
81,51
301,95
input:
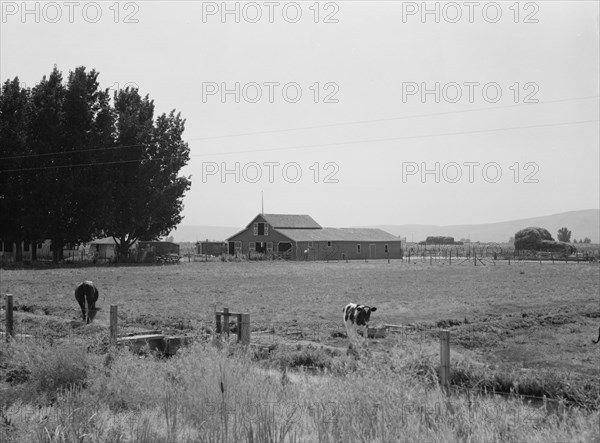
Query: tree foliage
x,y
74,165
564,235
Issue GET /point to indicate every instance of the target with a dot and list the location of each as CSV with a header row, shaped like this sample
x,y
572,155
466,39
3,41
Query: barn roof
x,y
290,221
103,241
338,234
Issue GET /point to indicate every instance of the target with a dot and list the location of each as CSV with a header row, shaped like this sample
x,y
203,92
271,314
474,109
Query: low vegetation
x,y
228,395
520,329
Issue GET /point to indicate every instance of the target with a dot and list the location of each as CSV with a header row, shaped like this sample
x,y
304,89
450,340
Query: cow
x,y
357,315
87,292
598,339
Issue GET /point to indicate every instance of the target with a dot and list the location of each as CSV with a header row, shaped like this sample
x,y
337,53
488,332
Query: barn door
x,y
372,250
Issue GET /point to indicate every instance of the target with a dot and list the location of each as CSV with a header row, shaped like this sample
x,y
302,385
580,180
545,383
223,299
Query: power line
x,y
407,137
406,117
481,131
44,154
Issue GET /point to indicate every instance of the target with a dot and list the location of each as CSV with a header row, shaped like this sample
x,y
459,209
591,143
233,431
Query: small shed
x,y
104,248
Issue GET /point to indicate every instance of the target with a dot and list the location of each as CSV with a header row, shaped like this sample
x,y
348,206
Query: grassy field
x,y
530,324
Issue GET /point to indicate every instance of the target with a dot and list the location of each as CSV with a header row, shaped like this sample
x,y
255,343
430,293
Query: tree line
x,y
77,164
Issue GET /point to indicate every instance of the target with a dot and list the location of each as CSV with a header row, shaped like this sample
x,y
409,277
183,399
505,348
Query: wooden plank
x,y
153,342
113,324
244,327
10,326
445,360
218,321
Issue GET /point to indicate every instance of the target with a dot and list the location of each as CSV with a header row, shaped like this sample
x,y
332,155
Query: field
x,y
526,322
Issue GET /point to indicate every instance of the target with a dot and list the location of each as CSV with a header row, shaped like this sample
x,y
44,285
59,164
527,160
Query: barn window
x,y
358,248
261,229
385,247
252,246
329,244
25,247
8,246
238,245
310,244
39,246
270,246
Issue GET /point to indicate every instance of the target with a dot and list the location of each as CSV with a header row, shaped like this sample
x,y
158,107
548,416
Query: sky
x,y
355,112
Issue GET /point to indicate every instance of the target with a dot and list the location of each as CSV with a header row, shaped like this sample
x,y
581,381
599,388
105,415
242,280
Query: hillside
x,y
585,223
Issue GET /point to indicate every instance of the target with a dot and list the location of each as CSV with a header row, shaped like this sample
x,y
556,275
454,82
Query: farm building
x,y
160,247
299,237
211,248
103,248
36,251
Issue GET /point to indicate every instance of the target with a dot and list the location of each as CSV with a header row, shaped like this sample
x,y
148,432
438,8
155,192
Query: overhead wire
x,y
350,142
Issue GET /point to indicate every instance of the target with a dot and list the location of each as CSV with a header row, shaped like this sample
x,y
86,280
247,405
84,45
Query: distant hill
x,y
585,223
193,233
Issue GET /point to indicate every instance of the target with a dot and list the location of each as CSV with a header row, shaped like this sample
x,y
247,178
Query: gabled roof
x,y
290,221
103,241
338,234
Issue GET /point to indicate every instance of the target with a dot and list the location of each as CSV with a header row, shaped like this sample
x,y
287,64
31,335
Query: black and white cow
x,y
357,315
87,292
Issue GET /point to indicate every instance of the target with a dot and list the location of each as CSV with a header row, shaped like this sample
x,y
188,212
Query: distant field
x,y
532,315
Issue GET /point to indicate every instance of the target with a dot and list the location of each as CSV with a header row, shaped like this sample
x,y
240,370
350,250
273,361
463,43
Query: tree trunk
x,y
57,250
18,250
122,248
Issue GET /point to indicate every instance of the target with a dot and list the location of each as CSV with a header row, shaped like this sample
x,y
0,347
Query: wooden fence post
x,y
219,328
244,328
445,360
113,324
10,326
226,320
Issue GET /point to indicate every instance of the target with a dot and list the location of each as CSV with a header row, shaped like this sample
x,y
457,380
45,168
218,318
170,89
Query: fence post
x,y
244,328
113,324
219,329
445,360
10,329
226,320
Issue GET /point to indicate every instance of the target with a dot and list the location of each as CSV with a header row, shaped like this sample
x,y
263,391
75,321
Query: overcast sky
x,y
329,117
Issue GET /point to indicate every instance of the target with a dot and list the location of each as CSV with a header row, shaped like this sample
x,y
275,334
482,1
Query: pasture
x,y
526,318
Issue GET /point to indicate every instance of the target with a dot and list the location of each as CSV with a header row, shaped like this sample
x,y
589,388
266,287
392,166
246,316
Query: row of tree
x,y
565,235
78,164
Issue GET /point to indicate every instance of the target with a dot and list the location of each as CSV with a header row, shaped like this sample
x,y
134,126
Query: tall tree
x,y
69,126
147,190
564,235
15,199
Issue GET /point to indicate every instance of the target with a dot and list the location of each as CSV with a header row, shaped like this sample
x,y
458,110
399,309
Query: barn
x,y
300,237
